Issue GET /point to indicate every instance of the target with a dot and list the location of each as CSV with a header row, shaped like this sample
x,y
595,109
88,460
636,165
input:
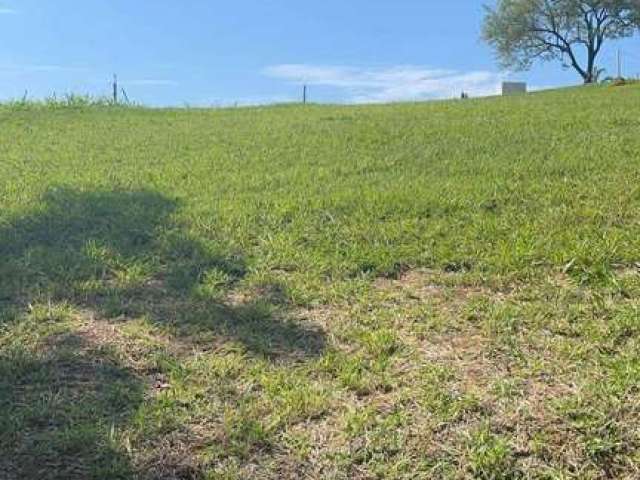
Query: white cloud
x,y
539,88
27,68
406,82
7,11
150,82
251,101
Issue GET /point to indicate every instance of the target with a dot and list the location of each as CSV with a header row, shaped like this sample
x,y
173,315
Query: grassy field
x,y
446,290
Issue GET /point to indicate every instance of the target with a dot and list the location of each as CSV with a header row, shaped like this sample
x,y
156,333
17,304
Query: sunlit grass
x,y
441,290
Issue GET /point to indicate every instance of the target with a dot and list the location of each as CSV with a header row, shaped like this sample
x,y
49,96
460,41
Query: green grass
x,y
443,290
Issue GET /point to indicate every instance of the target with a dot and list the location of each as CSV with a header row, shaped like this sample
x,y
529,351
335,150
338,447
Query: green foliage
x,y
67,100
490,457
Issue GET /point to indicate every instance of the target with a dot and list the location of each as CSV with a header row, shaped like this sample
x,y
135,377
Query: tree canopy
x,y
570,31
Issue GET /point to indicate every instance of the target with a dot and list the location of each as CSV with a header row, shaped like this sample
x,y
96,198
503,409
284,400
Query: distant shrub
x,y
619,81
68,100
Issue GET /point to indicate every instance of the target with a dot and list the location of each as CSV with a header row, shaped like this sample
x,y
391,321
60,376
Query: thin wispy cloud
x,y
151,82
399,83
35,68
247,101
7,11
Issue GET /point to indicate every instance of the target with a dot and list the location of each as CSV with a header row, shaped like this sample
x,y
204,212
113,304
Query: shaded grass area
x,y
118,254
113,256
446,290
61,406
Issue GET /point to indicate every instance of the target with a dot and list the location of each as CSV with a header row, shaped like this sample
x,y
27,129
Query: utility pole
x,y
115,89
304,94
619,64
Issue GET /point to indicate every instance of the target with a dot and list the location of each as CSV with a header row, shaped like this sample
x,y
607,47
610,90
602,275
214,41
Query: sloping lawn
x,y
446,290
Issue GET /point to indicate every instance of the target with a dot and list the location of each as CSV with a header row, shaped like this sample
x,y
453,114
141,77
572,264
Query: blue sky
x,y
221,52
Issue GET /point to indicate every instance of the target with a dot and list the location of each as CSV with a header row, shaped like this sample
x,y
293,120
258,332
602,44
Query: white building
x,y
513,88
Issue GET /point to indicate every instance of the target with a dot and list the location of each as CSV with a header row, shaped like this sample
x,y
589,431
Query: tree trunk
x,y
590,73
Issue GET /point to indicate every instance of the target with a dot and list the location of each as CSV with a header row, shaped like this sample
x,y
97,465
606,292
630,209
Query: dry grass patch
x,y
428,376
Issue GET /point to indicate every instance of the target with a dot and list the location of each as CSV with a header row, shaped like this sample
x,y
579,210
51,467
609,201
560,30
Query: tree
x,y
571,31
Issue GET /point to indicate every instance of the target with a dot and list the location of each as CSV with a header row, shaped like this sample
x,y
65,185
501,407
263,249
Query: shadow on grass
x,y
62,408
122,255
119,255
